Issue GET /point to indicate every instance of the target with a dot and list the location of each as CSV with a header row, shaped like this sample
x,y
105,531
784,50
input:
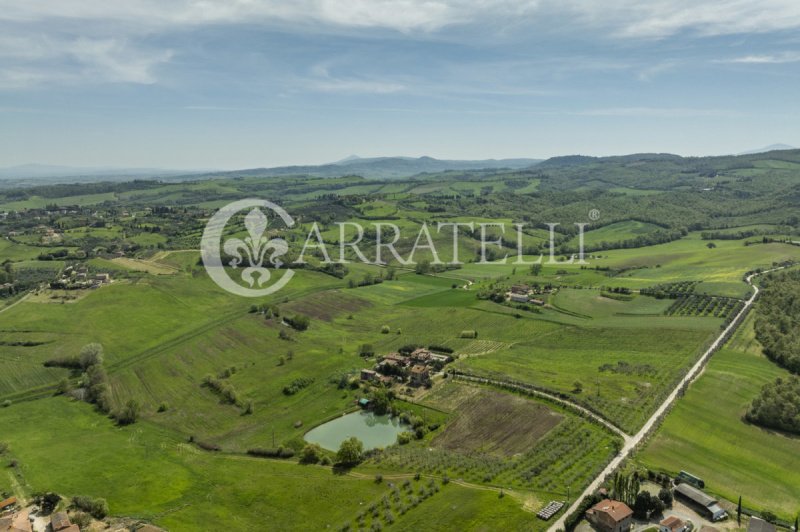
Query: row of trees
x,y
778,315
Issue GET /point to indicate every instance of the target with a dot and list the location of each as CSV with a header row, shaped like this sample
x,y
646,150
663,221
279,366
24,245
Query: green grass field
x,y
706,434
165,327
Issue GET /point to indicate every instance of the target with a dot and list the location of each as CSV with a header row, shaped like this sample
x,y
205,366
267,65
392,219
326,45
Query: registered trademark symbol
x,y
594,215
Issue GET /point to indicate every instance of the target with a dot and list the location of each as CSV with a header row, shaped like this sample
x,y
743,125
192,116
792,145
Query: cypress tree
x,y
739,511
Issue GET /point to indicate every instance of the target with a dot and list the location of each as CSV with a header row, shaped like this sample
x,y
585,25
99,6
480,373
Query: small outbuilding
x,y
707,505
672,524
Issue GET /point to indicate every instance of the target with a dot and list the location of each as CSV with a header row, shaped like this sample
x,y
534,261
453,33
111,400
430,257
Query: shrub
x,y
366,350
311,454
128,414
297,385
98,508
6,403
298,322
280,452
163,407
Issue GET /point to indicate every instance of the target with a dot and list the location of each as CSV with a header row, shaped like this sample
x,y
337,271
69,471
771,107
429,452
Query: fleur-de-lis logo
x,y
254,253
255,247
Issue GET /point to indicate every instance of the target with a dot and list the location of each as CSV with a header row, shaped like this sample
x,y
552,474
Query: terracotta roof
x,y
17,522
59,521
672,522
617,510
8,502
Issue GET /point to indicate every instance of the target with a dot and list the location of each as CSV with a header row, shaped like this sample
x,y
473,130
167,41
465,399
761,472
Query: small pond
x,y
374,431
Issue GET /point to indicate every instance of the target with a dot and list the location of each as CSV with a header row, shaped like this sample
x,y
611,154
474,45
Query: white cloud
x,y
665,112
31,61
116,61
622,18
322,80
72,41
785,57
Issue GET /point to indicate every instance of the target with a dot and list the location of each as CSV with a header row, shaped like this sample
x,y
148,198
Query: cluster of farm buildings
x,y
77,278
414,369
610,515
522,293
15,519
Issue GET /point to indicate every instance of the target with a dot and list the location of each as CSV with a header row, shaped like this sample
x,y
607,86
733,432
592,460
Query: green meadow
x,y
706,434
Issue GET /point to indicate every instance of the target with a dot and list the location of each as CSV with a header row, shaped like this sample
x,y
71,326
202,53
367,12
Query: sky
x,y
202,84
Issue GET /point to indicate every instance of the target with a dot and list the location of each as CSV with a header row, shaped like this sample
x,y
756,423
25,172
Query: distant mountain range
x,y
771,147
371,168
38,171
383,167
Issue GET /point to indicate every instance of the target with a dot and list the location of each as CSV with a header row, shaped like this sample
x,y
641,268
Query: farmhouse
x,y
421,355
60,522
672,524
707,505
368,375
518,298
520,289
759,525
420,375
398,359
610,516
16,522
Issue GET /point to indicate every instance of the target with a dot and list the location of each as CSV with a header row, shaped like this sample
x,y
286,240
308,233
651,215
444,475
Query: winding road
x,y
652,423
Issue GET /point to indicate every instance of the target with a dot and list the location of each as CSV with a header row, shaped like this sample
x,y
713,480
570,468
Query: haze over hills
x,y
771,147
384,167
370,168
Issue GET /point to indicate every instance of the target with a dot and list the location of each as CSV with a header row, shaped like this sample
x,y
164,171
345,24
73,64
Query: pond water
x,y
374,431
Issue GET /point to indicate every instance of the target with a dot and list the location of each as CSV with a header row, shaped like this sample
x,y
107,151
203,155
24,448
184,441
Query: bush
x,y
63,362
91,355
366,350
6,403
82,519
47,501
311,454
666,497
385,329
128,414
298,322
98,508
297,385
280,452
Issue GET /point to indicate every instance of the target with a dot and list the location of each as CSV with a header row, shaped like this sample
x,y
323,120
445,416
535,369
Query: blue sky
x,y
245,83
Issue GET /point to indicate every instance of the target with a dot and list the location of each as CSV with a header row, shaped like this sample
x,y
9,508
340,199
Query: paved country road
x,y
632,442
